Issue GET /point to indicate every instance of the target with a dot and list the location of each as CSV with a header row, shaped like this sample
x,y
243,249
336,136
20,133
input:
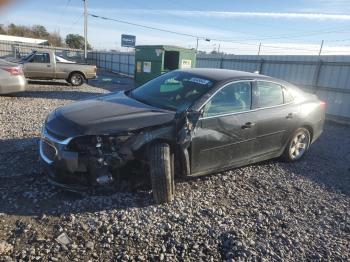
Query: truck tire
x,y
76,79
161,162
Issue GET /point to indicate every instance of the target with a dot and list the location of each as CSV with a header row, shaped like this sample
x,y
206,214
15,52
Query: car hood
x,y
106,114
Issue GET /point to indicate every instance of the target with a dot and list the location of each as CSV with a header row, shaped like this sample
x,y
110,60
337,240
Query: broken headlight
x,y
91,143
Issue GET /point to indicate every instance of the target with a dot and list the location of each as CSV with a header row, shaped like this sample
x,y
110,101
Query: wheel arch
x,y
309,128
144,148
76,71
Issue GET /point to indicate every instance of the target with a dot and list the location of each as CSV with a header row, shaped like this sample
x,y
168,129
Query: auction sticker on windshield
x,y
199,81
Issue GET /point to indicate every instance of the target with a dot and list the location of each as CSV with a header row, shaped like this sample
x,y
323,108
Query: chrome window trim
x,y
246,111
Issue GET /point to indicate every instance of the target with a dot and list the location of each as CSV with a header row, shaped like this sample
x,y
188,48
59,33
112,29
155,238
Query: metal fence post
x,y
261,66
316,76
221,62
128,63
98,59
112,61
119,62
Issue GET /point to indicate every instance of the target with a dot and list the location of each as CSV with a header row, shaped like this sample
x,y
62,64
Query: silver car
x,y
11,78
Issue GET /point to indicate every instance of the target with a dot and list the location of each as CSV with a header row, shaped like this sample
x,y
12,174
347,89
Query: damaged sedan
x,y
186,122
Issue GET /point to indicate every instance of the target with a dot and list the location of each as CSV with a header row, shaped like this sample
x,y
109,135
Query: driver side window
x,y
235,97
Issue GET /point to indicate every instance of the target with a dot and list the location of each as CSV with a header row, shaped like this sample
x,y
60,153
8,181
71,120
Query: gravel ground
x,y
263,212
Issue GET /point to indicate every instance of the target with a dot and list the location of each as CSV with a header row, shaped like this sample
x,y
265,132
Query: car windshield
x,y
175,90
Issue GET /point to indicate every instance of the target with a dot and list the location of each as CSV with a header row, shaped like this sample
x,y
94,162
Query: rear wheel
x,y
161,162
76,79
297,146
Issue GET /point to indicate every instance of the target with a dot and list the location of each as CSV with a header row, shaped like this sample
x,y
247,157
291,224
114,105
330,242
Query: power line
x,y
64,10
306,34
74,23
194,8
148,27
271,37
339,40
201,37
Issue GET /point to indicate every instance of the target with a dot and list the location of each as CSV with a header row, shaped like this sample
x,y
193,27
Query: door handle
x,y
248,125
48,65
290,115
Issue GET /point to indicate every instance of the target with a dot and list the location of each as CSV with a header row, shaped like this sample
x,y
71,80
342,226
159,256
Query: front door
x,y
39,66
226,131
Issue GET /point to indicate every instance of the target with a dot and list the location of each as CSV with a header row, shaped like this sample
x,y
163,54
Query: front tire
x,y
161,162
297,146
76,79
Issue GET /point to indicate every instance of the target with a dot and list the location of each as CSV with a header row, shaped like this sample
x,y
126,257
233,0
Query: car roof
x,y
223,74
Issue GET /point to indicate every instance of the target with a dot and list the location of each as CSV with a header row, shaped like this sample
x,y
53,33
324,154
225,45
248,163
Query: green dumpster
x,y
154,60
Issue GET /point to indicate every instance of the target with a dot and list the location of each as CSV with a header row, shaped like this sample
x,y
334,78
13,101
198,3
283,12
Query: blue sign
x,y
128,40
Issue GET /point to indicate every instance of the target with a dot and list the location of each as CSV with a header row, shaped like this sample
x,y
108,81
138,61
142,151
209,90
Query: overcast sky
x,y
283,27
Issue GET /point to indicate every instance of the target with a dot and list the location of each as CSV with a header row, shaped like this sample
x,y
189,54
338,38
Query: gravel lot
x,y
263,212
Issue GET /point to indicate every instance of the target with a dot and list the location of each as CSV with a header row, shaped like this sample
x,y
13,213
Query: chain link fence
x,y
120,62
18,50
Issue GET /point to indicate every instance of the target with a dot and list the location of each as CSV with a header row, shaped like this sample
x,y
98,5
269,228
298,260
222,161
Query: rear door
x,y
39,66
226,131
276,118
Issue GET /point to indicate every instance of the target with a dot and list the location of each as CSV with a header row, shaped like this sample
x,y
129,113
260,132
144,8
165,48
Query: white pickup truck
x,y
44,64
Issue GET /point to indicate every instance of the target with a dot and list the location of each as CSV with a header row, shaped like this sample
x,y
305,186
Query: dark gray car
x,y
186,122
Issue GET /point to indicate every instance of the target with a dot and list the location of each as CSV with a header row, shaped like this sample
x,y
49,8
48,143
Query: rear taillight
x,y
15,71
95,69
323,103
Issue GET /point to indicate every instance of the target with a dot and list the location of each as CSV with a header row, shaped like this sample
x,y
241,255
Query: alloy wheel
x,y
299,144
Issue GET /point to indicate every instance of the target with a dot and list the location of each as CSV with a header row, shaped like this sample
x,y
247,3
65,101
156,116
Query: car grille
x,y
48,150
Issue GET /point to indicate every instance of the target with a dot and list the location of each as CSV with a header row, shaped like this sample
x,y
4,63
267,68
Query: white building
x,y
19,39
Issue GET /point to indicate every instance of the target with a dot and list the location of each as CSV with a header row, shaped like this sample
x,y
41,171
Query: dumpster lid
x,y
165,47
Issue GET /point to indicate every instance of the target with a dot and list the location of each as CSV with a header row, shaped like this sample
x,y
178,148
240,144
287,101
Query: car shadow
x,y
327,162
26,191
48,82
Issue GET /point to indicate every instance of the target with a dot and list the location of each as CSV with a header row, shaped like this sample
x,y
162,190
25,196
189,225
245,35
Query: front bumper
x,y
13,84
54,152
71,170
64,166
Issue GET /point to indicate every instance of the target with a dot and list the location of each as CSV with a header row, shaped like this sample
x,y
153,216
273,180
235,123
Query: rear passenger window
x,y
41,58
270,94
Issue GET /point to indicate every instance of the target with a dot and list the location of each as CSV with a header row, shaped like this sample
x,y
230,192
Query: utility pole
x,y
206,39
321,47
219,49
85,28
259,48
